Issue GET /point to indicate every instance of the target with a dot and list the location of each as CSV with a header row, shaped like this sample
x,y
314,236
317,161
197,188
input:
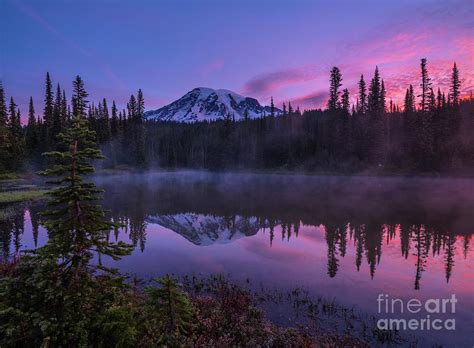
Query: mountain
x,y
202,229
209,104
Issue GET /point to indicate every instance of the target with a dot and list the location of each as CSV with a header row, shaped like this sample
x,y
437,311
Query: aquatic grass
x,y
318,317
19,196
9,176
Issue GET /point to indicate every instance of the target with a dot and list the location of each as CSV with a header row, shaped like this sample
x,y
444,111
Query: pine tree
x,y
376,132
140,105
432,100
3,107
103,127
114,122
439,101
48,112
79,101
12,111
362,100
4,132
132,107
57,294
374,93
64,112
284,109
409,100
290,109
16,136
335,82
77,225
383,103
424,144
168,302
425,86
455,86
345,100
57,123
272,107
139,131
31,137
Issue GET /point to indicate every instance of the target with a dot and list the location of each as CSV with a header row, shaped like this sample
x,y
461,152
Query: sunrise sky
x,y
260,48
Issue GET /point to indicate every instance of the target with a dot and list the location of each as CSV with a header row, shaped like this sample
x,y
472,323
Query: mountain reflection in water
x,y
350,238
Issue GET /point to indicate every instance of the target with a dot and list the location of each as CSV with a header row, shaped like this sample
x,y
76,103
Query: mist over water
x,y
343,238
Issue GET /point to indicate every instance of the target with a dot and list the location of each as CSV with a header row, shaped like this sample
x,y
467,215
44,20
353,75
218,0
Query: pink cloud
x,y
269,82
310,101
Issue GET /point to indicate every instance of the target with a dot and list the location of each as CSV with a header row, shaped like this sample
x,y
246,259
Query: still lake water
x,y
347,239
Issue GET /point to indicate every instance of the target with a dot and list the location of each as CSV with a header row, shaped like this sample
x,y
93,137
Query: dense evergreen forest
x,y
430,133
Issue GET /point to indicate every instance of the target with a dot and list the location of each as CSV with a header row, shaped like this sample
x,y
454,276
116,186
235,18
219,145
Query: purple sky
x,y
259,48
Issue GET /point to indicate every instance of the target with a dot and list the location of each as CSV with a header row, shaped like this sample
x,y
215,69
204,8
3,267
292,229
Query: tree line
x,y
121,133
372,134
431,132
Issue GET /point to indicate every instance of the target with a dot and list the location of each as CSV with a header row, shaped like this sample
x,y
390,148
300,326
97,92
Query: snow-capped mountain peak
x,y
209,104
201,229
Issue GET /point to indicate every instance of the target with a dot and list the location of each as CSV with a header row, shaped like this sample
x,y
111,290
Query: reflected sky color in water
x,y
344,238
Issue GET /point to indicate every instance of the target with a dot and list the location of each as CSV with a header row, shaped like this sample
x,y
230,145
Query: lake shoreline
x,y
106,172
33,176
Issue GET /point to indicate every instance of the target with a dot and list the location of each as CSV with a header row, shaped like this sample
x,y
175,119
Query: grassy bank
x,y
9,176
19,196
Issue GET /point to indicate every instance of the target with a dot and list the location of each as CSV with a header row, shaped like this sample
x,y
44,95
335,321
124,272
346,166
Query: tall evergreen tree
x,y
48,111
345,100
455,85
64,112
79,100
103,122
409,100
114,121
3,107
57,123
362,100
31,137
139,130
335,82
439,99
383,103
432,100
272,107
56,292
140,106
77,226
374,93
4,132
132,108
16,136
425,86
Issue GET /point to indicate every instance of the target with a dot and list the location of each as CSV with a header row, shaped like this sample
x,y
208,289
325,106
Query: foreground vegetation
x,y
110,312
62,295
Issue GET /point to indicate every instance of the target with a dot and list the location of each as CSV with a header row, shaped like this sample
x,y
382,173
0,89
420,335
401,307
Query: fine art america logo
x,y
432,314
